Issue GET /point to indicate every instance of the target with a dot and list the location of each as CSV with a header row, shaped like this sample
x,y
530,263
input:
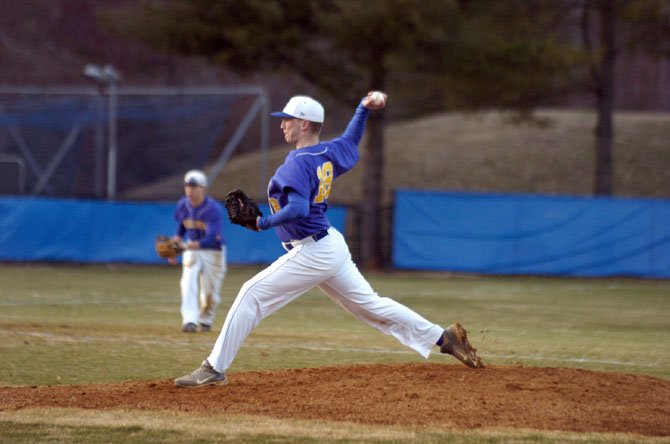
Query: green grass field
x,y
96,324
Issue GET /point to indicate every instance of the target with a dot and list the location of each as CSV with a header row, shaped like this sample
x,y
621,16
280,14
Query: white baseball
x,y
377,98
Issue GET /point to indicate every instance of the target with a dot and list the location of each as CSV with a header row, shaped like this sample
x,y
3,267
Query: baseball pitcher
x,y
317,254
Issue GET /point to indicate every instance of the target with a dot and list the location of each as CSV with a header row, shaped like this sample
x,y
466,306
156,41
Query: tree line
x,y
432,55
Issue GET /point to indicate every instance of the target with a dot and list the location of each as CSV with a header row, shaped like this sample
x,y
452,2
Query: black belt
x,y
320,235
316,236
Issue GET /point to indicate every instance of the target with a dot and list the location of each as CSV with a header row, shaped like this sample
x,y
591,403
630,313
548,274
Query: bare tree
x,y
602,84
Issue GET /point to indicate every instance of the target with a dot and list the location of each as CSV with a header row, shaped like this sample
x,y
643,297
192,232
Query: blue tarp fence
x,y
38,229
459,232
531,235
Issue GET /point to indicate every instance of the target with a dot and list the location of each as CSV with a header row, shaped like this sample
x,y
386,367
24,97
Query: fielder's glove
x,y
168,248
242,210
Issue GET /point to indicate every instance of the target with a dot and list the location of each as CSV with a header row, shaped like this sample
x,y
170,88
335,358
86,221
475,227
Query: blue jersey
x,y
202,224
310,172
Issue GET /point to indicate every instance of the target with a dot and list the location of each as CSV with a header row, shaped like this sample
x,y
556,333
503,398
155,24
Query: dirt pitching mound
x,y
451,396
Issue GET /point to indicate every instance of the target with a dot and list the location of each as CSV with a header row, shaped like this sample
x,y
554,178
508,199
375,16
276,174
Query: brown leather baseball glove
x,y
168,248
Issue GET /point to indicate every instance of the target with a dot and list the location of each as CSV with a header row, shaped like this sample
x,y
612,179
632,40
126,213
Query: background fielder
x,y
317,254
199,227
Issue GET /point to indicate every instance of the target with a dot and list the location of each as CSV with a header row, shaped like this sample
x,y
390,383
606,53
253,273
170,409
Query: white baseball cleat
x,y
455,342
203,375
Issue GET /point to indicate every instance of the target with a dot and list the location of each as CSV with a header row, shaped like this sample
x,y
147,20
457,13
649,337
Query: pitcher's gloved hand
x,y
242,210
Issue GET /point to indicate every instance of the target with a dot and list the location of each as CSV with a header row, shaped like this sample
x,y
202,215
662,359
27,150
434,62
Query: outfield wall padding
x,y
40,229
531,235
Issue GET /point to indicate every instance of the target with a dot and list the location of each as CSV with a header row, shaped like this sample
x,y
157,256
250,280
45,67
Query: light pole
x,y
108,76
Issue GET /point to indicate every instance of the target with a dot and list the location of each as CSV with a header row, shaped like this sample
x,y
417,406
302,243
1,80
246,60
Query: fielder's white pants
x,y
202,275
328,265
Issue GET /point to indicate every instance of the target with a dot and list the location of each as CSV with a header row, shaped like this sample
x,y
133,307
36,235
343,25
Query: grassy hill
x,y
483,152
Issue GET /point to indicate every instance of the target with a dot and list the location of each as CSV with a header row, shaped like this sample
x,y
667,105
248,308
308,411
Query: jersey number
x,y
325,175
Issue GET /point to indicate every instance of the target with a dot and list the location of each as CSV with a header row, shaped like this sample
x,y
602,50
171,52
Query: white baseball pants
x,y
327,264
202,275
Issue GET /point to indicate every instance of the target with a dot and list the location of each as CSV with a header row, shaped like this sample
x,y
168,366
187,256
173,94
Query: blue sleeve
x,y
296,208
181,230
213,227
356,126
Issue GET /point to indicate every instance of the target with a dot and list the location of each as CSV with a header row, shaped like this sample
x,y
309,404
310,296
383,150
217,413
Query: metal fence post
x,y
112,149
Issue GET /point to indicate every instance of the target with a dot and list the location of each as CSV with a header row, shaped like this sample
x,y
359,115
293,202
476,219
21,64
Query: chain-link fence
x,y
97,142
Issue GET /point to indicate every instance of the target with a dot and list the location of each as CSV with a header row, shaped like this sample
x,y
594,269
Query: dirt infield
x,y
403,394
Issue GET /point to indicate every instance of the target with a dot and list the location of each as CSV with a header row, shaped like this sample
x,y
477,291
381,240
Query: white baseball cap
x,y
195,177
302,107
